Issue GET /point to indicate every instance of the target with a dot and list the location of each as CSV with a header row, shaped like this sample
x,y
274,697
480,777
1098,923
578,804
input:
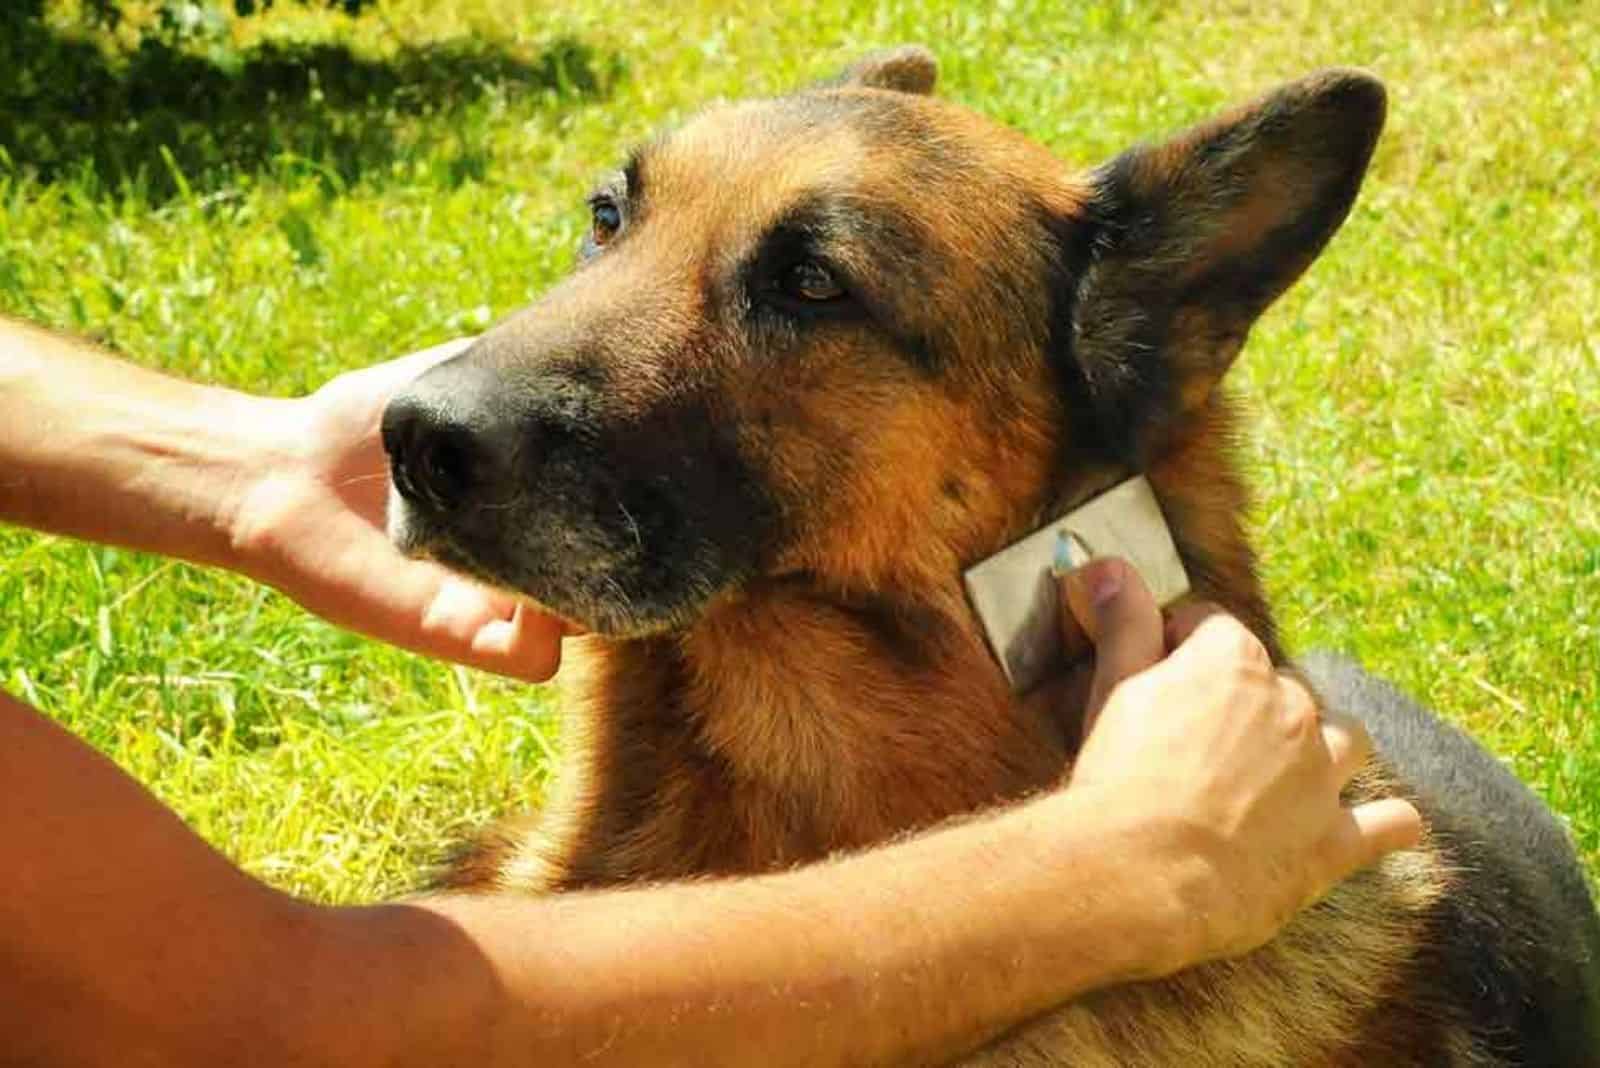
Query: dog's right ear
x,y
907,69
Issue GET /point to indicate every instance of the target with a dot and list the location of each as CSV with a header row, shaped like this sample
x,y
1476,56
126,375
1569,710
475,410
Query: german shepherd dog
x,y
824,352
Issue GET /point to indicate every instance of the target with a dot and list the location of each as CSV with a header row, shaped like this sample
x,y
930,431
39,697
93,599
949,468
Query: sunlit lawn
x,y
1426,401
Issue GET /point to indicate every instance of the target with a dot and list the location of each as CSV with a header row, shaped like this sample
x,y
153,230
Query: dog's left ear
x,y
1191,240
907,69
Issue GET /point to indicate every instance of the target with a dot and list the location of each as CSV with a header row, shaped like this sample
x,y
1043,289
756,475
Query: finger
x,y
528,645
421,606
443,351
459,609
399,372
1218,638
1368,832
1184,618
473,625
1120,616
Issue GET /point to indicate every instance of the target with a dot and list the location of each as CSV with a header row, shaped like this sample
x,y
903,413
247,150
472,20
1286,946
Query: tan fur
x,y
848,696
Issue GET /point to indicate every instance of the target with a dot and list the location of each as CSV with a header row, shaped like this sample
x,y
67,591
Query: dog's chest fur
x,y
783,729
699,755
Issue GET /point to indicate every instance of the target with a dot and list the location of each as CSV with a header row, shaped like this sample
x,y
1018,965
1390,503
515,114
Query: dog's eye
x,y
607,220
810,281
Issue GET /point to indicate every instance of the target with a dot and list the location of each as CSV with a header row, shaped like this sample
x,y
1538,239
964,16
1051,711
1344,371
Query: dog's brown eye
x,y
607,219
811,281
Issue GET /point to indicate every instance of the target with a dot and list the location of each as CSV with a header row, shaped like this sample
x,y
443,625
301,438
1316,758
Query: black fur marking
x,y
1135,388
1246,284
875,250
638,516
701,512
1101,402
1517,942
633,186
1345,121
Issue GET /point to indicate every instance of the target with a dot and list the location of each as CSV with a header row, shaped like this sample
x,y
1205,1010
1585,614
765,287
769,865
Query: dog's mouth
x,y
625,578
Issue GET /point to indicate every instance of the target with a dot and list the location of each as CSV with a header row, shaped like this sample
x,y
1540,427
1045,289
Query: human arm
x,y
289,492
115,913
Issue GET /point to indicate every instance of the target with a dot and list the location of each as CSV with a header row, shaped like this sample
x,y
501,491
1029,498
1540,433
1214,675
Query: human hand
x,y
1227,759
310,521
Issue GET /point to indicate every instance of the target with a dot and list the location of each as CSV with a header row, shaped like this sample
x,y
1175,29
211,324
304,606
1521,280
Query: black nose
x,y
436,460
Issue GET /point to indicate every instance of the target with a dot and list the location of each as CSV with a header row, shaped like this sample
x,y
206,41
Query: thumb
x,y
1373,829
1118,613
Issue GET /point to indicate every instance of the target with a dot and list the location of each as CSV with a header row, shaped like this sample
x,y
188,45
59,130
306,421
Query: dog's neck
x,y
826,719
824,695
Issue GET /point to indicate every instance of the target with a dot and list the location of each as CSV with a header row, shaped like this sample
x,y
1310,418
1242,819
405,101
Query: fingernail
x,y
1070,554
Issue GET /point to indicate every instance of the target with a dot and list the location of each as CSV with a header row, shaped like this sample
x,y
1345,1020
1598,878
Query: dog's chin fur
x,y
586,589
620,624
617,616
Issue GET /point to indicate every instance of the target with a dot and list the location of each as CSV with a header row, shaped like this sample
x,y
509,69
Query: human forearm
x,y
100,449
124,939
906,955
116,913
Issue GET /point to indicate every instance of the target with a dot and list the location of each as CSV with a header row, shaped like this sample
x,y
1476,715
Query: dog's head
x,y
861,335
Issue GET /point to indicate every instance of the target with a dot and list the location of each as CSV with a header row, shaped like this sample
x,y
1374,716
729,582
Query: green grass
x,y
308,194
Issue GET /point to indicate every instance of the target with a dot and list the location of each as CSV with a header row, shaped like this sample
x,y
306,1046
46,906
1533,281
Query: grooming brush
x,y
1014,591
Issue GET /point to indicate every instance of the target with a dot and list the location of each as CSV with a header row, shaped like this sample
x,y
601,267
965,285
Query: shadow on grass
x,y
164,118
